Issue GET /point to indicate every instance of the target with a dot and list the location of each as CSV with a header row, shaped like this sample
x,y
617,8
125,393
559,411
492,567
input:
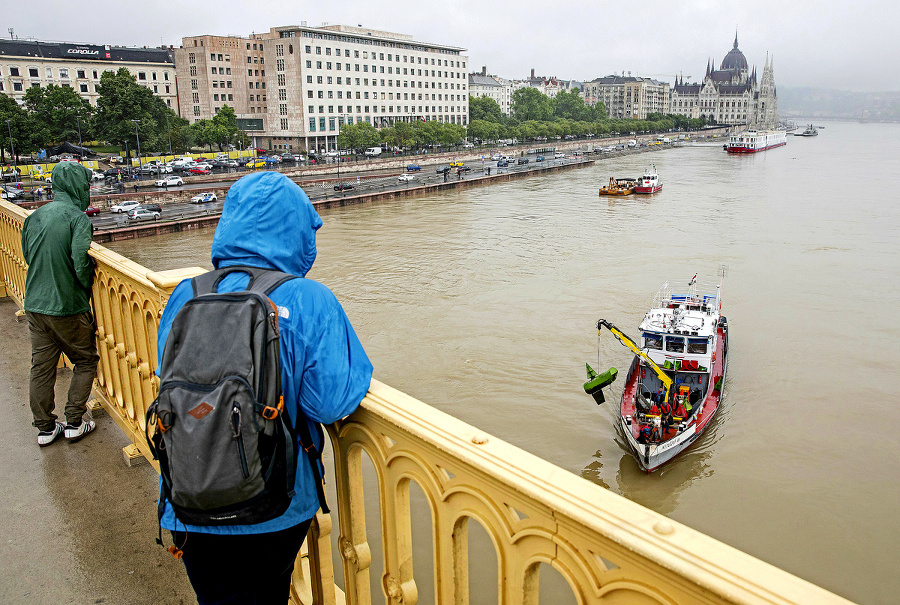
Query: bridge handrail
x,y
606,547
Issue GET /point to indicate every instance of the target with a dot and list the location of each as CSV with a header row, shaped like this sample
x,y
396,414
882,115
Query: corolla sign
x,y
89,51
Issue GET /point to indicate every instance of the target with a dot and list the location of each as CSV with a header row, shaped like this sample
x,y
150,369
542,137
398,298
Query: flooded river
x,y
483,303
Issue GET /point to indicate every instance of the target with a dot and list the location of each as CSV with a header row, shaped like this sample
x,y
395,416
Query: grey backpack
x,y
226,448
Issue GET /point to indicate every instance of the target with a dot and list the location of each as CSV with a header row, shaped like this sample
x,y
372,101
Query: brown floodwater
x,y
484,302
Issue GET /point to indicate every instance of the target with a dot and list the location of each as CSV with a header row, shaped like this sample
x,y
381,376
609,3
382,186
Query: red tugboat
x,y
674,386
648,182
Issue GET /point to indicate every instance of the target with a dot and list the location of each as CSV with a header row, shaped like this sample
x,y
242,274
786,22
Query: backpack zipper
x,y
239,439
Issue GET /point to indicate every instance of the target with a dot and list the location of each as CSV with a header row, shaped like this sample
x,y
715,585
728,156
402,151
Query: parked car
x,y
150,207
559,155
497,156
170,181
413,168
11,193
256,163
522,161
463,169
540,158
125,206
502,163
97,176
113,172
91,211
457,164
343,186
442,169
406,177
200,170
202,198
139,214
287,157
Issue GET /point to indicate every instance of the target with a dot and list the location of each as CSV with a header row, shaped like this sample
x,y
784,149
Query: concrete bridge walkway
x,y
77,524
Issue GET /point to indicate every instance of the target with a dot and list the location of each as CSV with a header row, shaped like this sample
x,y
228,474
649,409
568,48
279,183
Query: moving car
x,y
139,214
559,155
464,169
150,207
502,163
91,211
442,169
540,158
202,198
413,168
169,181
522,161
457,164
343,186
125,206
406,177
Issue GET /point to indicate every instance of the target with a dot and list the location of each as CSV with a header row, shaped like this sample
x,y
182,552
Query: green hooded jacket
x,y
55,242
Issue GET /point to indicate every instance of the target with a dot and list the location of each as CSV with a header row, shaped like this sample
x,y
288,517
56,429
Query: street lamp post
x,y
136,134
78,121
12,145
169,128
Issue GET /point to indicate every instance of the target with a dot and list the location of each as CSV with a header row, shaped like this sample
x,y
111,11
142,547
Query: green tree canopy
x,y
125,109
28,133
484,108
357,136
531,104
63,112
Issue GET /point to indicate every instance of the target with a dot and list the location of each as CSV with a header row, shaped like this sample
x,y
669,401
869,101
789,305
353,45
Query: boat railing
x,y
705,294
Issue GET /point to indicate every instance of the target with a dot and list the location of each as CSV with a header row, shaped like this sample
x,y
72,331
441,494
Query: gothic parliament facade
x,y
731,94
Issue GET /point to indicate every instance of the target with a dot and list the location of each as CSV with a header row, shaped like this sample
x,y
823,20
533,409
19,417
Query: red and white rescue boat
x,y
648,182
674,385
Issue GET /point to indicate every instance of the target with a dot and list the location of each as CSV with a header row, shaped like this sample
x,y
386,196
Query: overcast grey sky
x,y
837,45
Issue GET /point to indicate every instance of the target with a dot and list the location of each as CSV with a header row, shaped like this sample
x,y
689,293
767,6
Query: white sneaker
x,y
74,433
45,438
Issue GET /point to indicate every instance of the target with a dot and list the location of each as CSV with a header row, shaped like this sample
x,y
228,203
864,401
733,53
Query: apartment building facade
x,y
628,96
27,64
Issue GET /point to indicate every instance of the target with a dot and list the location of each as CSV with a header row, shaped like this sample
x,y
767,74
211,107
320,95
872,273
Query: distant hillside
x,y
871,106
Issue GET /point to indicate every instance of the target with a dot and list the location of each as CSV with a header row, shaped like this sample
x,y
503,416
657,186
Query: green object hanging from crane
x,y
596,382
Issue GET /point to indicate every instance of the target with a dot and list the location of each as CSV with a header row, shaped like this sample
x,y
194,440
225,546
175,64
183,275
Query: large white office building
x,y
298,84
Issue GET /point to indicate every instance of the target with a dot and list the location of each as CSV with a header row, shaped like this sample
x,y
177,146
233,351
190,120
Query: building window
x,y
322,124
33,72
312,121
64,73
84,88
141,75
193,84
284,124
196,110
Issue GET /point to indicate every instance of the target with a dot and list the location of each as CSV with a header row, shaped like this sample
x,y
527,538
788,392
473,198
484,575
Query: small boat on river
x,y
648,182
618,187
673,388
810,131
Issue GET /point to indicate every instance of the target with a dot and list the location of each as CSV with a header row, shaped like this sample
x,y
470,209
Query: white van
x,y
373,151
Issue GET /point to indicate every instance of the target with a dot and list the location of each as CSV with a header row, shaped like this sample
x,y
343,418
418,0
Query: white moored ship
x,y
753,141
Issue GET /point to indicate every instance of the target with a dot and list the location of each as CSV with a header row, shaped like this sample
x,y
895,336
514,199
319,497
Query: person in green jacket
x,y
55,242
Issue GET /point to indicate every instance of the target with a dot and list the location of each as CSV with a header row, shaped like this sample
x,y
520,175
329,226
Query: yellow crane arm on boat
x,y
625,340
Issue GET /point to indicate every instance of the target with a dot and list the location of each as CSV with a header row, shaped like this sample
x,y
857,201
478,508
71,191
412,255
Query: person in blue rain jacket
x,y
268,221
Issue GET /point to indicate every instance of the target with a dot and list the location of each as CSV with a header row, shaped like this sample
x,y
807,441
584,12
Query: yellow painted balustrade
x,y
608,549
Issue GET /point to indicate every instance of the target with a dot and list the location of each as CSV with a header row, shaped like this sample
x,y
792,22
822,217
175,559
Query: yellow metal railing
x,y
608,549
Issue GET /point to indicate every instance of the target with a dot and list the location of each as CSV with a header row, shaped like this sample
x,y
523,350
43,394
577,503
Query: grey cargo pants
x,y
74,335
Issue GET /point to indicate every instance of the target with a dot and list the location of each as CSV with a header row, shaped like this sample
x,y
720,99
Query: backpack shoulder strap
x,y
261,280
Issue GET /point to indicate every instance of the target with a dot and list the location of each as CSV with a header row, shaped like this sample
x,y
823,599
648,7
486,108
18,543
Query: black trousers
x,y
250,569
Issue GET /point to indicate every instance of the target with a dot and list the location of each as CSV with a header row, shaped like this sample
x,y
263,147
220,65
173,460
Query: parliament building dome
x,y
735,59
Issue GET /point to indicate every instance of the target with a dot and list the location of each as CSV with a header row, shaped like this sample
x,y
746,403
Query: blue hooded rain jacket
x,y
268,221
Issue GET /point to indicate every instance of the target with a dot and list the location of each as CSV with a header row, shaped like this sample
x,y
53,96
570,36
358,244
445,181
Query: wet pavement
x,y
78,525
